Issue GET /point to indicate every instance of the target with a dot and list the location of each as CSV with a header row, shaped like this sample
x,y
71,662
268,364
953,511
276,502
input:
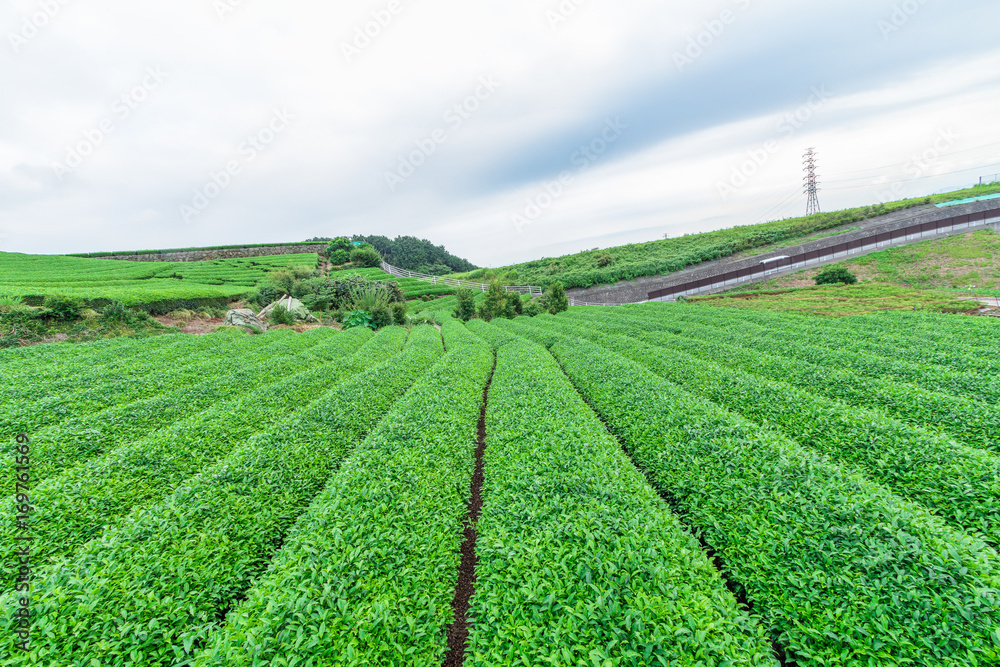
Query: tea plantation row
x,y
661,485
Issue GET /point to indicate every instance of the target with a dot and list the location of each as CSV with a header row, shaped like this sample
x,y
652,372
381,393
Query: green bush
x,y
533,308
118,313
833,275
280,315
494,303
466,309
339,248
357,318
398,311
382,317
514,305
366,256
556,300
62,307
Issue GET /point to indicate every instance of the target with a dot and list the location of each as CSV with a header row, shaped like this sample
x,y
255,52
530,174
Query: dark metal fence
x,y
842,250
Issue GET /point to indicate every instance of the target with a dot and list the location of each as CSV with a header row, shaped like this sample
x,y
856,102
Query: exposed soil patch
x,y
458,633
195,327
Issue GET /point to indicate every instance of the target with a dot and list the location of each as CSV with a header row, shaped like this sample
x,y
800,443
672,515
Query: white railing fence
x,y
454,282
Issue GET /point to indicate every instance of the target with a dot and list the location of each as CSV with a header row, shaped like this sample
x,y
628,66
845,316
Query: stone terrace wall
x,y
230,253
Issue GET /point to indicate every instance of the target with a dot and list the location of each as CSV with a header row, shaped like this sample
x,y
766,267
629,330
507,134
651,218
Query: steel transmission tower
x,y
812,185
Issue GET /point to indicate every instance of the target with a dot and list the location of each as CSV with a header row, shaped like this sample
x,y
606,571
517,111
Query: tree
x,y
339,250
494,303
555,298
466,304
833,275
366,256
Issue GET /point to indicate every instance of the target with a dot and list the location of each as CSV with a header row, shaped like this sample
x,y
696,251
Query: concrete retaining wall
x,y
230,253
639,290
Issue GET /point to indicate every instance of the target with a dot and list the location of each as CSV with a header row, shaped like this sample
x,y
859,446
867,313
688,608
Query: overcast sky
x,y
505,130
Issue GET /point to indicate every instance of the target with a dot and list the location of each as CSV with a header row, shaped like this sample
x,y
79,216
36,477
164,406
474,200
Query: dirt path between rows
x,y
458,633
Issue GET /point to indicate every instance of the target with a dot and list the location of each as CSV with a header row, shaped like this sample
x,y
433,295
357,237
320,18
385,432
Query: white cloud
x,y
325,174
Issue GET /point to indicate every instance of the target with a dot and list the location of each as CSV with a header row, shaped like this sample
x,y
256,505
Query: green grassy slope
x,y
32,277
611,265
955,263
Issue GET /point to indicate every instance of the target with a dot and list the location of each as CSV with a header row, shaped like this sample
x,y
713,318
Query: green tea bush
x,y
555,298
398,313
806,540
366,256
836,274
540,527
118,313
466,309
280,315
62,307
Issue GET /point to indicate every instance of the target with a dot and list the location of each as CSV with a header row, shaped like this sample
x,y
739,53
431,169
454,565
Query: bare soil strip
x,y
458,633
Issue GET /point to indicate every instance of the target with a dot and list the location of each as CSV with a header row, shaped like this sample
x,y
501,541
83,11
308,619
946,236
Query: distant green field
x,y
841,300
412,288
136,283
628,262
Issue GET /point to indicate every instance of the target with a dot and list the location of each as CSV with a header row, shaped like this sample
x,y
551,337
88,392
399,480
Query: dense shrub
x,y
382,317
466,309
533,308
398,311
556,300
61,307
118,313
493,305
836,274
280,315
339,250
366,256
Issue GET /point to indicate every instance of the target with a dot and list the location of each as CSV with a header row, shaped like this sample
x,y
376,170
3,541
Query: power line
x,y
903,164
920,178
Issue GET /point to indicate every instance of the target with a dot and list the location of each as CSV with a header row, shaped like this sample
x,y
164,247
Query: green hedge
x,y
367,575
126,253
84,436
226,522
580,562
969,421
74,506
841,571
959,483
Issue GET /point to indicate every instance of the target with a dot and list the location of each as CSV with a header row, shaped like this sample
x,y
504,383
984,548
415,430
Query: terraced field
x,y
138,283
660,484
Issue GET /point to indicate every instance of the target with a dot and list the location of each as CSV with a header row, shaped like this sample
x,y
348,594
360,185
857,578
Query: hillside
x,y
954,262
628,262
413,254
155,286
